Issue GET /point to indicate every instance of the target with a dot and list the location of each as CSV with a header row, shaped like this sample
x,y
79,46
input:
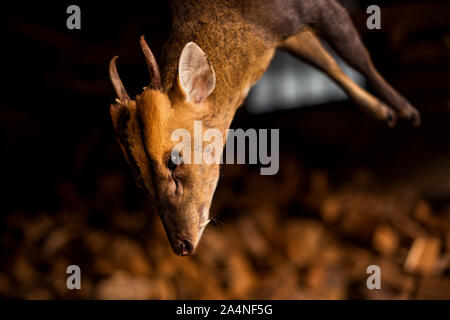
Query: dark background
x,y
345,181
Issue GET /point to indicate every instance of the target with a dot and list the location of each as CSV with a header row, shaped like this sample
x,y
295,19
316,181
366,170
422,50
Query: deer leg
x,y
306,46
336,27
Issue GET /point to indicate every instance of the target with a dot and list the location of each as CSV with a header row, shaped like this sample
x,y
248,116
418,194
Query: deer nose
x,y
184,247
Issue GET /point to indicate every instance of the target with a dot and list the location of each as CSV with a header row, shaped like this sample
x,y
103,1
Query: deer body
x,y
216,52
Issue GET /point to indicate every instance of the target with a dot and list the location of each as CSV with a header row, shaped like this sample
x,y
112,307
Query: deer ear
x,y
195,73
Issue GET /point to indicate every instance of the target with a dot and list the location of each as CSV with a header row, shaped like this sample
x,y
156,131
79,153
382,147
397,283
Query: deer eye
x,y
174,161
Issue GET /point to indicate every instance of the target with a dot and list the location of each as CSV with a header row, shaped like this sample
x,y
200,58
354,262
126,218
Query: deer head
x,y
181,192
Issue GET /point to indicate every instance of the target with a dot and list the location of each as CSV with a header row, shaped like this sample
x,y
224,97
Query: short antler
x,y
153,69
116,82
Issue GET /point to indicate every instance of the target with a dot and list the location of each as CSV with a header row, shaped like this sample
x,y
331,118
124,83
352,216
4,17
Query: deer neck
x,y
238,63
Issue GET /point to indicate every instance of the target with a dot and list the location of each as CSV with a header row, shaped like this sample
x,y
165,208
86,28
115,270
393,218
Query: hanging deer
x,y
216,52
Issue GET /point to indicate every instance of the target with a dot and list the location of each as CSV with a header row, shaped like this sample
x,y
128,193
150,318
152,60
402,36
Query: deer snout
x,y
182,232
183,247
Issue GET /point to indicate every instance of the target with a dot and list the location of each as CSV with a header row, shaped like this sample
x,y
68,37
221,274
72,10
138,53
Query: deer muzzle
x,y
183,230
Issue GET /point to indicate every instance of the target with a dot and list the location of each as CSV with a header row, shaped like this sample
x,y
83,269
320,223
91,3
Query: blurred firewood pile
x,y
296,235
